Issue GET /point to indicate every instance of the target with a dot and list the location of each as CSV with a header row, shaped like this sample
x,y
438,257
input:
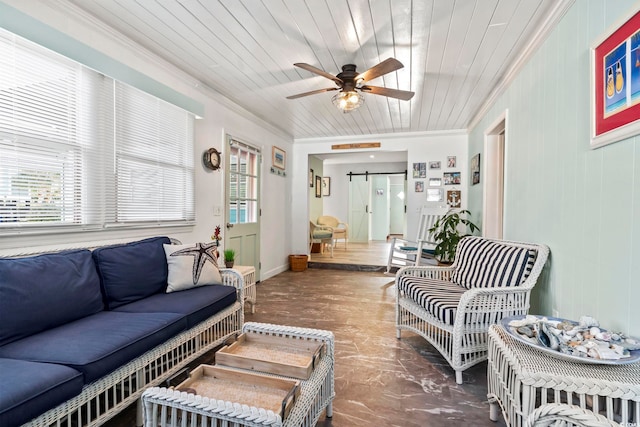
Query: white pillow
x,y
192,265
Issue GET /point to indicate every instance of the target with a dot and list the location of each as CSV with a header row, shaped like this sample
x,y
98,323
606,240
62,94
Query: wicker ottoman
x,y
521,379
168,407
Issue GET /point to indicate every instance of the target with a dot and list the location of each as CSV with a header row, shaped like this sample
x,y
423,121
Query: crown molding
x,y
537,40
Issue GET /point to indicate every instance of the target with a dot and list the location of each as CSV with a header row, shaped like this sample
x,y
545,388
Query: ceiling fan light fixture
x,y
348,101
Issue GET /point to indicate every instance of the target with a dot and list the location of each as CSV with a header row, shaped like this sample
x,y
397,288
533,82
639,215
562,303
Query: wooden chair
x,y
403,252
453,307
340,229
320,234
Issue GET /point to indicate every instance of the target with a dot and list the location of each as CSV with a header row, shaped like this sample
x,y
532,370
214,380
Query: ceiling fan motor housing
x,y
348,77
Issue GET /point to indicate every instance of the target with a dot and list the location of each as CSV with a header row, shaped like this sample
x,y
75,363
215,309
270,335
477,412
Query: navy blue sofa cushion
x,y
41,292
197,304
29,389
98,344
132,271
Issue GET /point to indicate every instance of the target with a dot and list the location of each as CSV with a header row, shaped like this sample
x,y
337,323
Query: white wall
x,y
583,203
221,116
420,147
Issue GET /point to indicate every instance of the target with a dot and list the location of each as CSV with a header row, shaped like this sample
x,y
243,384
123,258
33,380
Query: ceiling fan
x,y
350,83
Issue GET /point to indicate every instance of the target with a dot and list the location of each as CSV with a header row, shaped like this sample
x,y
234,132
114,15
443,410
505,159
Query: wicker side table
x,y
521,378
248,273
172,408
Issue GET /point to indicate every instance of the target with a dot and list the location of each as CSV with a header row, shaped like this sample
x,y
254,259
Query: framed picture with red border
x,y
615,82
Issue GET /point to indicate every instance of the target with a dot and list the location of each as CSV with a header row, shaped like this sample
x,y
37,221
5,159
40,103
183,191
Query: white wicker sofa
x,y
452,307
85,333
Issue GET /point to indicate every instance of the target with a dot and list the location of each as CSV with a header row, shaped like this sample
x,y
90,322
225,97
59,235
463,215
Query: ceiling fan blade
x,y
404,95
318,71
386,66
313,92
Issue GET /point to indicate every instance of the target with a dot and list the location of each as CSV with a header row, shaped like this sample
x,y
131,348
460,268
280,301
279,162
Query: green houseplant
x,y
229,257
446,232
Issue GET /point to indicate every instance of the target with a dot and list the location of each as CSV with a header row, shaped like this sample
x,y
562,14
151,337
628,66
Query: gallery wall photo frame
x,y
318,186
435,165
420,170
475,169
451,178
615,81
435,182
326,186
435,195
278,158
451,161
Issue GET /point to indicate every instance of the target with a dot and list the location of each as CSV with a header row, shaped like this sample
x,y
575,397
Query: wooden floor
x,y
372,253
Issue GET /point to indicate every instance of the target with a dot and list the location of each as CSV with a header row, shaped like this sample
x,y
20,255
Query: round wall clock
x,y
211,159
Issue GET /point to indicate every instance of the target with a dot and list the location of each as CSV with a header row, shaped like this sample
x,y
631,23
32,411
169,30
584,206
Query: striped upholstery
x,y
483,263
439,298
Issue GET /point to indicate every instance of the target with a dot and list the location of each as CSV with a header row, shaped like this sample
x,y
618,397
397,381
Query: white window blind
x,y
78,149
154,167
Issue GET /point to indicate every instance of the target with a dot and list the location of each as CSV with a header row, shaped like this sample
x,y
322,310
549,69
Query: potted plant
x,y
447,234
229,257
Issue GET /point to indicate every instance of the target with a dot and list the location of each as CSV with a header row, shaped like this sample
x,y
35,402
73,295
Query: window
x,y
78,149
243,183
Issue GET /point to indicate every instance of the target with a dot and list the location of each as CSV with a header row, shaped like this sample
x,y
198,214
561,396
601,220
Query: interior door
x,y
359,209
379,208
242,191
397,192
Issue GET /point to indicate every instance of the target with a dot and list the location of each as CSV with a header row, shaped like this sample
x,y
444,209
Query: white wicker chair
x,y
564,415
403,252
453,309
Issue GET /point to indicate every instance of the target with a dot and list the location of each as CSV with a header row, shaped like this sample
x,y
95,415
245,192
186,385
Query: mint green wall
x,y
583,203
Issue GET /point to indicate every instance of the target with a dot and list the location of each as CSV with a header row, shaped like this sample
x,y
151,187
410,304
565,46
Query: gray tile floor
x,y
379,380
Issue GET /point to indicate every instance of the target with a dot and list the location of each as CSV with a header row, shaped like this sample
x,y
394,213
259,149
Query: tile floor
x,y
379,380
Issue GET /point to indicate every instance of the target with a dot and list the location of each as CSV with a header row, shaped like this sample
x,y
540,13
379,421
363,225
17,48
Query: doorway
x,y
494,172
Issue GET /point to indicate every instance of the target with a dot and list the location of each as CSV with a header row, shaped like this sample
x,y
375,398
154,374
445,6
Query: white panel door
x,y
358,209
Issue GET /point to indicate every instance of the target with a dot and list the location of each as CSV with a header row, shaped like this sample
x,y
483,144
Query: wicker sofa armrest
x,y
233,278
429,271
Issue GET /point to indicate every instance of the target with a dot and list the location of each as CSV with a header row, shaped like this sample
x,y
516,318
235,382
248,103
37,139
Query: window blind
x,y
78,149
154,167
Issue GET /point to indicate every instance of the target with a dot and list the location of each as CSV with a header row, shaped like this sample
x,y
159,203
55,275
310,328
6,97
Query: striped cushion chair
x,y
452,307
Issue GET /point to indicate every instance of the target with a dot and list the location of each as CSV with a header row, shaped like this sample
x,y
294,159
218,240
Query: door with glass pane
x,y
243,203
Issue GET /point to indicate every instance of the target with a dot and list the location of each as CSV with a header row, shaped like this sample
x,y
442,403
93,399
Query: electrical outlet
x,y
555,313
217,210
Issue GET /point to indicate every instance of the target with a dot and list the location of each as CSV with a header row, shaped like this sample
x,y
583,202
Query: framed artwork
x,y
615,82
454,198
434,165
451,161
475,169
419,186
451,178
419,170
435,194
326,186
435,182
278,158
311,178
318,186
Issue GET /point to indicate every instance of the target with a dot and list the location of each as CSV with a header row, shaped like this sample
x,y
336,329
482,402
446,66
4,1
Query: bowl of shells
x,y
582,341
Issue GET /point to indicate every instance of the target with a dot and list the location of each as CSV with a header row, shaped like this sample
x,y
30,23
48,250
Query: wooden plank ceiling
x,y
454,53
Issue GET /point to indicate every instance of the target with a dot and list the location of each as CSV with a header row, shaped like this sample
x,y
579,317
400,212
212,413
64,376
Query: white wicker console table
x,y
172,408
248,273
521,378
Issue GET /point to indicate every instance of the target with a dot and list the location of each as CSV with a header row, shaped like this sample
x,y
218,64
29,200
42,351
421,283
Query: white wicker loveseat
x,y
452,307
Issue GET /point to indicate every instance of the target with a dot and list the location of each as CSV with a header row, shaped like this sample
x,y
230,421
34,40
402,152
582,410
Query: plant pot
x,y
228,264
